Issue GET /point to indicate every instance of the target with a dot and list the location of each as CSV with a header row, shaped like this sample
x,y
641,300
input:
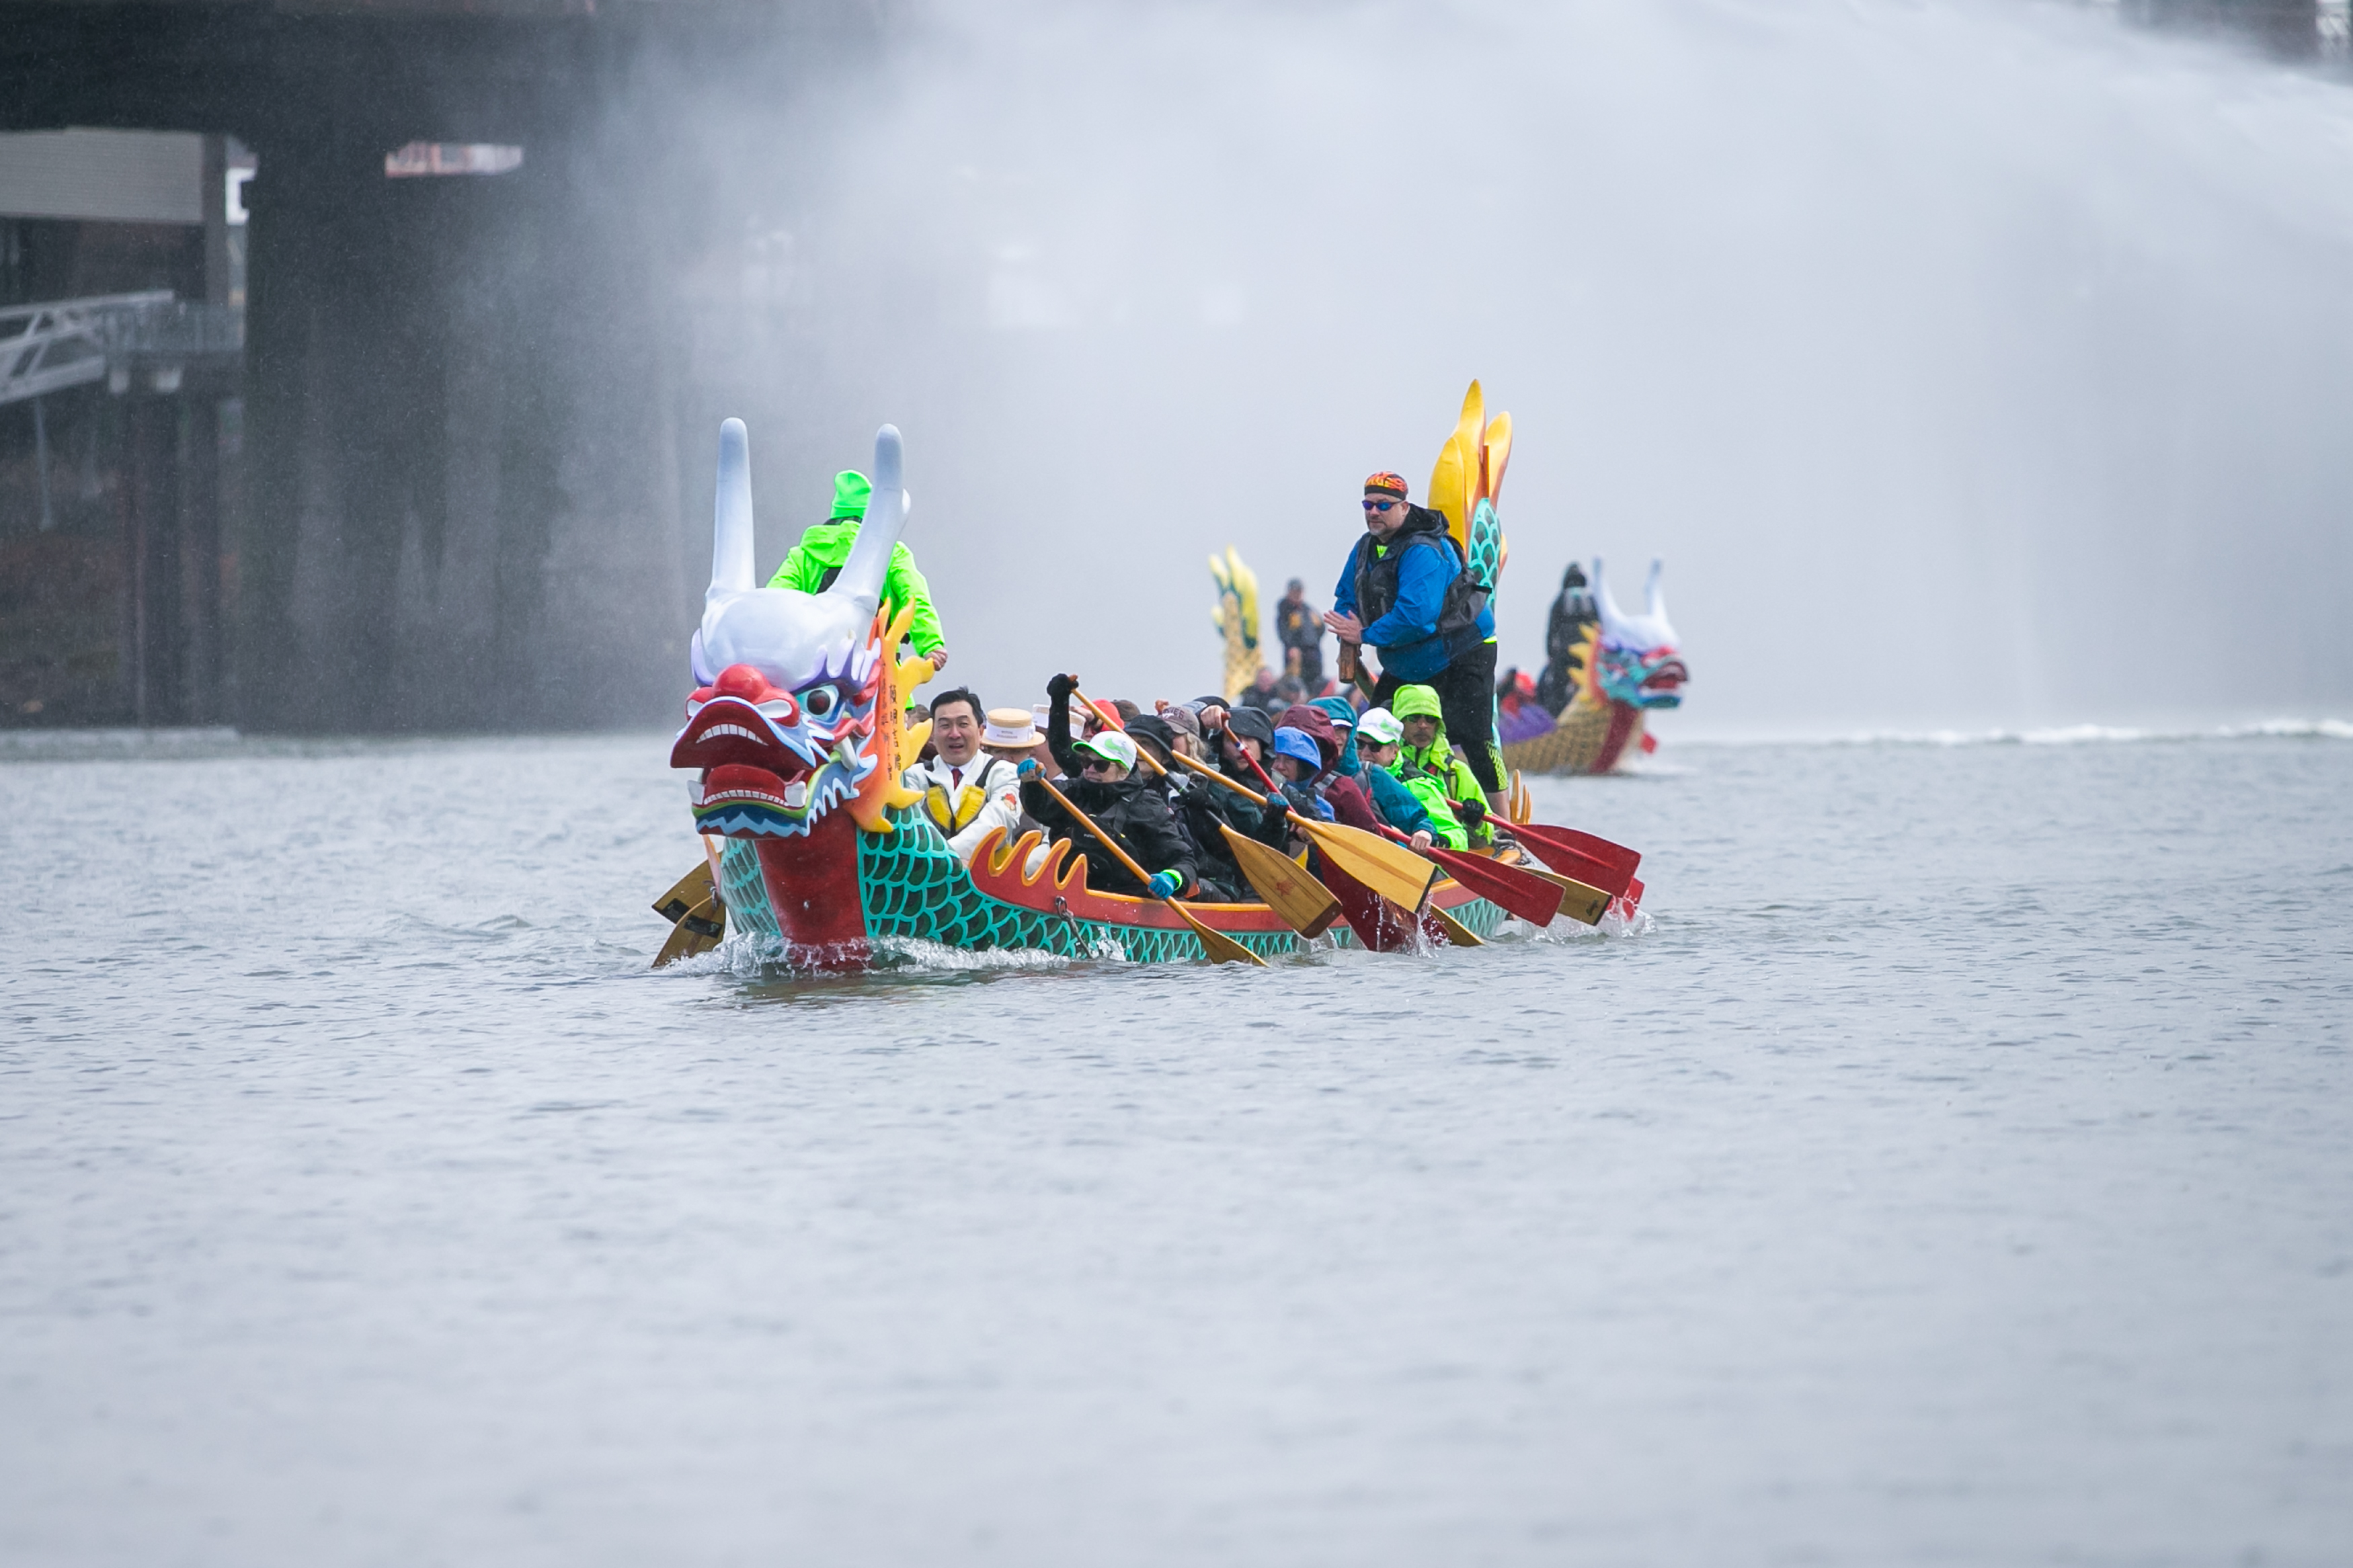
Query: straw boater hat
x,y
1010,730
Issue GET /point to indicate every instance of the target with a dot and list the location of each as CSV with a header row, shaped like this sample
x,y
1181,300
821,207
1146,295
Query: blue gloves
x,y
1029,769
1164,884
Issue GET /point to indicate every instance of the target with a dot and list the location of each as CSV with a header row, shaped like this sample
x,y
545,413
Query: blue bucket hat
x,y
1298,745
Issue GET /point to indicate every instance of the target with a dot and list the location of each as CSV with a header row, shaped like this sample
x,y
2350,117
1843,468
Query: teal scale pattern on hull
x,y
915,889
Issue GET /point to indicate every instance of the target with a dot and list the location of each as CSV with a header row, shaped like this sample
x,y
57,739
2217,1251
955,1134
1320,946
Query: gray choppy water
x,y
1960,1172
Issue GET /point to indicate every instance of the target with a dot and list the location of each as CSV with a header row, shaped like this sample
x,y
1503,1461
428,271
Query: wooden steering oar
x,y
1221,948
1287,889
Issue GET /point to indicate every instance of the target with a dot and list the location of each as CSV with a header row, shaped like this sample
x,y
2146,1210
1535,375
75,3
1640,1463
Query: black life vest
x,y
1376,574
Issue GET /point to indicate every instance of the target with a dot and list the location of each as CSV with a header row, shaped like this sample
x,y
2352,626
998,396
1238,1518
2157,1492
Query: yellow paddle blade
x,y
1458,933
685,894
698,931
1392,871
1499,455
1304,903
1580,901
1221,948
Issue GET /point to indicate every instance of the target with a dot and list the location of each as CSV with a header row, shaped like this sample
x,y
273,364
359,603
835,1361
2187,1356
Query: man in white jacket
x,y
966,791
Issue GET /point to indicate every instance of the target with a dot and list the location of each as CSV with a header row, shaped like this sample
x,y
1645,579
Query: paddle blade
x,y
1393,871
1304,903
1379,925
1519,891
1580,901
1585,856
685,894
1456,931
1221,948
698,931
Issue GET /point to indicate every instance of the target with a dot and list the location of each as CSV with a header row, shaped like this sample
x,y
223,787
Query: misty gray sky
x,y
1968,364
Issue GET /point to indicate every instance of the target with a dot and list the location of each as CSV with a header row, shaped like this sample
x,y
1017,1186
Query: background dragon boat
x,y
812,844
1618,669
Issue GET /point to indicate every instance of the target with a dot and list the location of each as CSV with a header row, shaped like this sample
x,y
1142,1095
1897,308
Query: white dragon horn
x,y
730,520
1656,609
1613,619
886,515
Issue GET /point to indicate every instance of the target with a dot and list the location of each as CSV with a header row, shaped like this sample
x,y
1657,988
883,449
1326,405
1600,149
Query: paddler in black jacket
x,y
1131,809
1200,808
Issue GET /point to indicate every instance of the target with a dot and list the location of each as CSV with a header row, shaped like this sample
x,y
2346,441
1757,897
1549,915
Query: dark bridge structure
x,y
384,435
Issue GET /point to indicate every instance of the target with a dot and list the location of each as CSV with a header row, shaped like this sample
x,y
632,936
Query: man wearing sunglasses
x,y
1404,591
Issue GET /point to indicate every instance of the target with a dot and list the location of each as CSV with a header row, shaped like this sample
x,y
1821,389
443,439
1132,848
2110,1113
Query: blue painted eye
x,y
819,702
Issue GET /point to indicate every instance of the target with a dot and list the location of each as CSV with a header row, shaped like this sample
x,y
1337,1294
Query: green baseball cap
x,y
1111,746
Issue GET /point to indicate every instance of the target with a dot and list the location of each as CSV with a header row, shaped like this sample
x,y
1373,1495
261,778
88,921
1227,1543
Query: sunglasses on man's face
x,y
1372,505
1094,762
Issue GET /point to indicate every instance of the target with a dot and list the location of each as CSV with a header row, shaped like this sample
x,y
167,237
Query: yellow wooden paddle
x,y
1458,933
1580,901
1288,888
699,929
1221,948
685,894
692,907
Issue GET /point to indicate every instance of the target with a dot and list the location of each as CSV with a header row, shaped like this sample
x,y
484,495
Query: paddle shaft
x,y
1244,791
1219,947
1138,872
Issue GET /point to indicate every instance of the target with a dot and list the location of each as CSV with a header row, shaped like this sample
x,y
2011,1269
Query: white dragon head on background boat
x,y
795,712
1609,671
1635,660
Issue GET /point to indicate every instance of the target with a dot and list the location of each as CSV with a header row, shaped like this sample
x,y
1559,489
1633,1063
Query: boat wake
x,y
751,957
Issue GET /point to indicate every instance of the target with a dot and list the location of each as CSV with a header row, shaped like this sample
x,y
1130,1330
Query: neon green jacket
x,y
1436,767
824,550
1444,826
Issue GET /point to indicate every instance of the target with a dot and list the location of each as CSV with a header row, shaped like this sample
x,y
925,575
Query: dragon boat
x,y
813,846
1618,670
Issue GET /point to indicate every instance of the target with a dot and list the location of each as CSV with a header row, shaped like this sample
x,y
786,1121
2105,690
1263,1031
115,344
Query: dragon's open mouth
x,y
1663,687
729,732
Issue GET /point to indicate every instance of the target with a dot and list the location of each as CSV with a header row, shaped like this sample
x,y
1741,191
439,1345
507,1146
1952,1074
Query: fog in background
x,y
1968,364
